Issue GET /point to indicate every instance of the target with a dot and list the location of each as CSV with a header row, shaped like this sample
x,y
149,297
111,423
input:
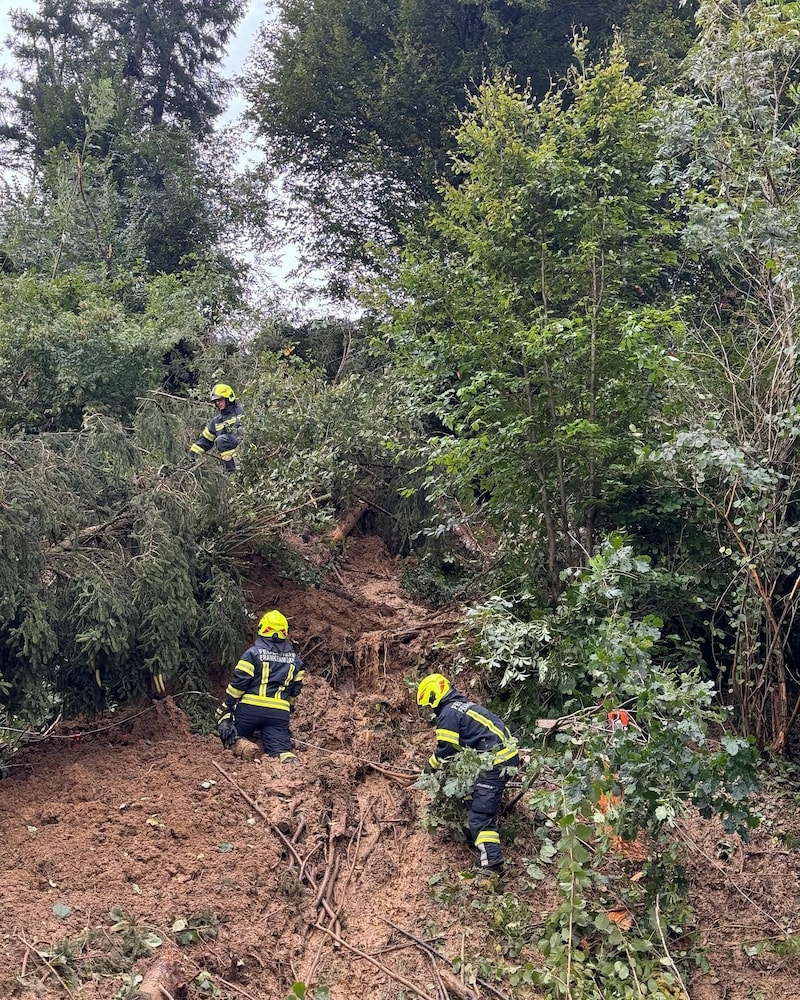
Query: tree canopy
x,y
356,101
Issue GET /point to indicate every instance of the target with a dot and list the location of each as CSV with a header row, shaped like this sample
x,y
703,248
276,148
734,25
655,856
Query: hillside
x,y
133,842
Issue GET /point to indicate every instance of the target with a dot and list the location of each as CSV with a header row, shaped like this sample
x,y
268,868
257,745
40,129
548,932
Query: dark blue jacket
x,y
268,675
463,723
225,425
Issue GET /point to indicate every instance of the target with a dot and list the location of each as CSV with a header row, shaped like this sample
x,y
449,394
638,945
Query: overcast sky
x,y
238,51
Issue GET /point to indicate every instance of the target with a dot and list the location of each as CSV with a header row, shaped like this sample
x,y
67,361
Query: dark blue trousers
x,y
276,738
487,793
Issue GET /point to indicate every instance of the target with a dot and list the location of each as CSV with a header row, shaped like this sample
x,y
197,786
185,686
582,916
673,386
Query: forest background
x,y
562,370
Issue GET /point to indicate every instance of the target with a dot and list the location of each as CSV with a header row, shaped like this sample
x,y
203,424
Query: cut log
x,y
164,980
349,521
456,988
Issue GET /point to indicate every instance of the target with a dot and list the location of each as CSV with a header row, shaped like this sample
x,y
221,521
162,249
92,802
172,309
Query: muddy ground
x,y
143,848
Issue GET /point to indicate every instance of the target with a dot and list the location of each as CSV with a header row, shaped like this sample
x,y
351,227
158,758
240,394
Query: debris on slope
x,y
255,875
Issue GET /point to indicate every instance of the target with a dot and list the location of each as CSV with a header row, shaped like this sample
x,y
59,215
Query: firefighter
x,y
262,692
463,723
223,432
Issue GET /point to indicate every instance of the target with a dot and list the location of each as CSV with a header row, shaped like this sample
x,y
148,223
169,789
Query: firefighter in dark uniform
x,y
266,681
223,432
463,723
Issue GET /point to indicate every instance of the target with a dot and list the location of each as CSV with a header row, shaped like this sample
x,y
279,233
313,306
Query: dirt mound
x,y
130,838
132,826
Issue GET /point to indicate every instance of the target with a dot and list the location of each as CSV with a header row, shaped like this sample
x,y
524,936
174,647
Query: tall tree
x,y
169,53
730,151
118,149
529,311
356,99
166,56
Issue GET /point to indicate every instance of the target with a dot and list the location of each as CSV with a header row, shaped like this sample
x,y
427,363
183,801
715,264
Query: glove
x,y
226,730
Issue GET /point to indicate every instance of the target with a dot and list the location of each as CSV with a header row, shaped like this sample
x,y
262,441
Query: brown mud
x,y
255,876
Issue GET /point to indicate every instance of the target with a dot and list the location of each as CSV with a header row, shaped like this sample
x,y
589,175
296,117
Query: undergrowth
x,y
614,775
111,950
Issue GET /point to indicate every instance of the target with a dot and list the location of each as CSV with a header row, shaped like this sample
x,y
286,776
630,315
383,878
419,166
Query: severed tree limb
x,y
349,521
402,779
432,951
378,965
251,802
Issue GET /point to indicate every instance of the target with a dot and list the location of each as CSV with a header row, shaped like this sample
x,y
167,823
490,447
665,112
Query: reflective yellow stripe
x,y
227,454
234,692
263,702
506,753
207,434
245,667
477,717
434,762
197,449
487,837
447,736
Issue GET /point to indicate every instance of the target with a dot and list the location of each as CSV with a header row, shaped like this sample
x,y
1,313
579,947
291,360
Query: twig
x,y
666,949
165,993
43,960
251,802
378,965
308,857
432,951
404,779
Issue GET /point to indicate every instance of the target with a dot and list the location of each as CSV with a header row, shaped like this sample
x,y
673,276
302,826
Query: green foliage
x,y
191,930
734,430
603,784
359,99
103,950
447,788
164,62
69,345
530,316
106,578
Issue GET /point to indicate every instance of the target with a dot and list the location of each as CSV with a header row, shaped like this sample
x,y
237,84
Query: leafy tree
x,y
356,101
70,344
729,153
531,313
607,795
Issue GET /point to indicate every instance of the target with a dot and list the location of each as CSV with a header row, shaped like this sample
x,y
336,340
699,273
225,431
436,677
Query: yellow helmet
x,y
273,623
223,391
432,689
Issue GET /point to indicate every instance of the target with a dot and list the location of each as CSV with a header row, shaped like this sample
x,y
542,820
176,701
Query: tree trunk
x,y
164,979
349,521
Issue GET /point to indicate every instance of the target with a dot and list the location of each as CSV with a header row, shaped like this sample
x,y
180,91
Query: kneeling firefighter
x,y
463,723
266,681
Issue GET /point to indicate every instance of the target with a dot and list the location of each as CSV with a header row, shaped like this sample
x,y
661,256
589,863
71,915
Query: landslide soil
x,y
277,875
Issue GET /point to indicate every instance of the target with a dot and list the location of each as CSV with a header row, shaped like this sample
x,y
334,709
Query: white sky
x,y
238,51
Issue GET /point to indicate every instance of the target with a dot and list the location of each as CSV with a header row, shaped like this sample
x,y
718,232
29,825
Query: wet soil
x,y
139,847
